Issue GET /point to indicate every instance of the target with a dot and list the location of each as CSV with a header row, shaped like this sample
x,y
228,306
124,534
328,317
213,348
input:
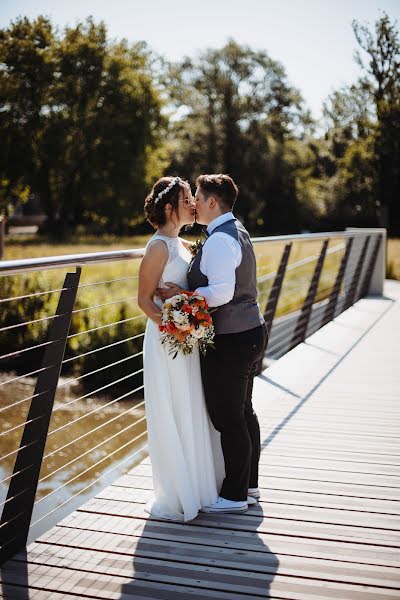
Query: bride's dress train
x,y
184,448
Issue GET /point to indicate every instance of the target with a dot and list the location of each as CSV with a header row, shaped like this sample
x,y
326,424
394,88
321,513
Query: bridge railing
x,y
49,464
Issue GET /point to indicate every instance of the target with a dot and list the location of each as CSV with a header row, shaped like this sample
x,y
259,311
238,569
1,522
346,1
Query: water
x,y
73,464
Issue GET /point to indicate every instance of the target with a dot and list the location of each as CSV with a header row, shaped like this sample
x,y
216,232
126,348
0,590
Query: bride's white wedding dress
x,y
184,448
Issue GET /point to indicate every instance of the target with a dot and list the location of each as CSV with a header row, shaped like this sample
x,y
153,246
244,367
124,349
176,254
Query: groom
x,y
224,272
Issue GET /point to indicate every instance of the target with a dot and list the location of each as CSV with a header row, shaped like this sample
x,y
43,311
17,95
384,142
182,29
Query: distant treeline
x,y
87,125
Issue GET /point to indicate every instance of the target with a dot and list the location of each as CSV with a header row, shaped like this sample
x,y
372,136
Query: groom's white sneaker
x,y
222,505
254,493
251,500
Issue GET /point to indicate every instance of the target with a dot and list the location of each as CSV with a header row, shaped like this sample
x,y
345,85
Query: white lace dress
x,y
184,448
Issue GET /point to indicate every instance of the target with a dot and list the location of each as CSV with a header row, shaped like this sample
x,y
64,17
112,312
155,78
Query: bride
x,y
184,448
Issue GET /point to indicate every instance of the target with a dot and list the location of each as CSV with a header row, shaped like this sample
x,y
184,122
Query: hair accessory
x,y
167,189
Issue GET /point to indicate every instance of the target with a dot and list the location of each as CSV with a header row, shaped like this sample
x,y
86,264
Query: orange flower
x,y
170,327
203,317
181,335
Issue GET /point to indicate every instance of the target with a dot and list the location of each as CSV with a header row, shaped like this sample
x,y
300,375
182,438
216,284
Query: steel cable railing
x,y
300,263
36,347
28,422
81,437
15,474
116,467
65,361
123,341
107,366
320,292
19,377
69,382
96,283
92,412
5,456
290,288
41,395
135,318
33,295
326,290
97,390
275,347
106,441
79,310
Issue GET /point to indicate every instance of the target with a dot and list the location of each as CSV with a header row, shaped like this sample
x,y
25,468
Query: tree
x,y
82,122
238,111
27,74
381,78
351,129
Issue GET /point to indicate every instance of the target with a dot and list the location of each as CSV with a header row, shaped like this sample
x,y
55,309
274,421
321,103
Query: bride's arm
x,y
150,272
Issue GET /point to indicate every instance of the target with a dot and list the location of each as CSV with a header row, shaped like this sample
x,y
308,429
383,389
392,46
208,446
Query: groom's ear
x,y
212,201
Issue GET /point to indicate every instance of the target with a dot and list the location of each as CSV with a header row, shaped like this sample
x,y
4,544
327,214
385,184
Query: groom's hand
x,y
167,292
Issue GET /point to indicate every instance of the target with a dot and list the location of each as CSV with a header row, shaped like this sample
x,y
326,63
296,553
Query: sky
x,y
313,39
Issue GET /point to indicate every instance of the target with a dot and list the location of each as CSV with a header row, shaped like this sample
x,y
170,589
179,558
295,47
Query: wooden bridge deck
x,y
328,523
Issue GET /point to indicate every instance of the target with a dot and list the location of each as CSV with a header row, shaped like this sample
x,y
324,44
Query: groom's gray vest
x,y
242,312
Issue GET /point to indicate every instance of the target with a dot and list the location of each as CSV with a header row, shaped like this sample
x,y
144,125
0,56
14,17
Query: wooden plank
x,y
327,464
109,587
236,539
270,497
334,455
313,462
296,462
96,573
14,592
278,510
255,521
293,484
343,477
253,560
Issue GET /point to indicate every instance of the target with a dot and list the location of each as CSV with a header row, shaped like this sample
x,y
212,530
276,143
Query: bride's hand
x,y
167,292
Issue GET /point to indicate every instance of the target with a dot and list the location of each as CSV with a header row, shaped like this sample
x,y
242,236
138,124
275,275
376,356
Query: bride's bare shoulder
x,y
156,249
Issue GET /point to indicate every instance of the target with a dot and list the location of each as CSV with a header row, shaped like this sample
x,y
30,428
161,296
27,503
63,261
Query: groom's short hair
x,y
221,186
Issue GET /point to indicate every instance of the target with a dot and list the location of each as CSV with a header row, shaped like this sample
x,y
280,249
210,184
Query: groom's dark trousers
x,y
228,373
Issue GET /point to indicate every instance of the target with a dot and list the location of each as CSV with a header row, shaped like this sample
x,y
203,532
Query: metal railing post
x,y
329,313
276,288
299,333
17,512
351,294
273,299
370,269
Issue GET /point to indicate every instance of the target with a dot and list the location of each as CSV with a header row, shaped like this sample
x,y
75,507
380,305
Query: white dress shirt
x,y
221,256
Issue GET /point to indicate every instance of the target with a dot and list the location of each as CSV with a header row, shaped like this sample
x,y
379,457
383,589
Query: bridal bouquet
x,y
186,323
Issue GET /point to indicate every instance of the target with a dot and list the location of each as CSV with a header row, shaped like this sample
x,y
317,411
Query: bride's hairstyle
x,y
221,186
165,191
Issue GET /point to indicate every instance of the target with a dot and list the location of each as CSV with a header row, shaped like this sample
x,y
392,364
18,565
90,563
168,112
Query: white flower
x,y
180,318
184,326
174,300
199,332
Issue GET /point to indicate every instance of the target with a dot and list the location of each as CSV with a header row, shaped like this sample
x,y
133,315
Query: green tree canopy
x,y
81,122
237,113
